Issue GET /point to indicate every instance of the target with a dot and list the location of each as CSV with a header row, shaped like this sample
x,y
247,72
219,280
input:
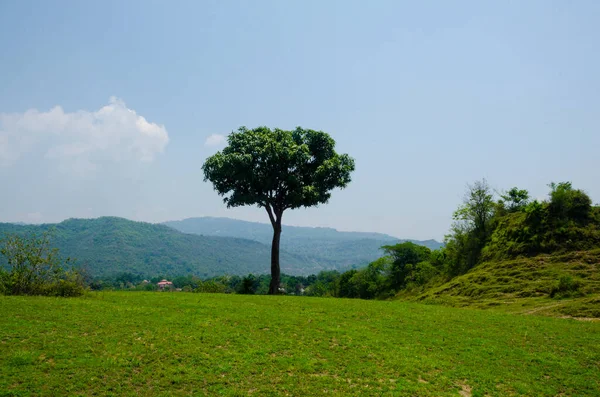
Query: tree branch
x,y
270,212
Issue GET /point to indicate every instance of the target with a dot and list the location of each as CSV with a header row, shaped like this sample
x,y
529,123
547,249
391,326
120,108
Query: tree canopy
x,y
278,168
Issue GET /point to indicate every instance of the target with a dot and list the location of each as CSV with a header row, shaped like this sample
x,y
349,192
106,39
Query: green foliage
x,y
110,246
566,222
326,283
405,257
567,286
347,286
151,344
568,205
374,280
316,247
489,232
515,226
211,286
248,285
477,209
515,199
278,168
33,267
472,228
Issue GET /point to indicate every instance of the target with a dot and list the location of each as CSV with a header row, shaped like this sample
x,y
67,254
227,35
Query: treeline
x,y
405,263
514,225
487,227
250,284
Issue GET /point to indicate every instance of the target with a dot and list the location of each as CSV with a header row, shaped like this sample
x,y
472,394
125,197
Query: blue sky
x,y
106,107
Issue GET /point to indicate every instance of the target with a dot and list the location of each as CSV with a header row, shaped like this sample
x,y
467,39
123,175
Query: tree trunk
x,y
275,271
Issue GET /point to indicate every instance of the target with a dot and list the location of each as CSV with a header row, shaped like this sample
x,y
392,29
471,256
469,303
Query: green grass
x,y
524,286
128,343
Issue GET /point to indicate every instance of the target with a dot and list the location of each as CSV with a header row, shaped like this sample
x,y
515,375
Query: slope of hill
x,y
263,232
324,247
109,245
566,284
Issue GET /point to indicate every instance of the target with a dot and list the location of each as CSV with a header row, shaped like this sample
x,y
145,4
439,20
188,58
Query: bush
x,y
211,287
567,286
32,267
247,286
70,285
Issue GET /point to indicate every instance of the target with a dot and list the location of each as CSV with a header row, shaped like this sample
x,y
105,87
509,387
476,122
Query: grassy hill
x,y
111,245
158,344
323,247
562,284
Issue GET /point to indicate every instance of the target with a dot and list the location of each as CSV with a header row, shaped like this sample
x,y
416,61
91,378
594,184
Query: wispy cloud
x,y
215,140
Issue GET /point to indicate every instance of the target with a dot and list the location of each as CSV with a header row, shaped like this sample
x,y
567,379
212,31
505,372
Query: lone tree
x,y
277,170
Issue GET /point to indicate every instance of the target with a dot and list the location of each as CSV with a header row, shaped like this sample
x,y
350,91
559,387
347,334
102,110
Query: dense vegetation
x,y
109,246
33,267
314,285
516,226
486,230
116,343
319,246
487,234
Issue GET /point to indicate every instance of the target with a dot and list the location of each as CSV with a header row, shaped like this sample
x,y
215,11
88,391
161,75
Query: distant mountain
x,y
108,245
322,247
205,247
263,232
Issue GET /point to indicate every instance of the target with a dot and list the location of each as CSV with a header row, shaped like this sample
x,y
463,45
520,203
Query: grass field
x,y
135,343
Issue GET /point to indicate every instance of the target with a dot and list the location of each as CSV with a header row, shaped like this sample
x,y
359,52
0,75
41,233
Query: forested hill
x,y
263,232
109,245
317,245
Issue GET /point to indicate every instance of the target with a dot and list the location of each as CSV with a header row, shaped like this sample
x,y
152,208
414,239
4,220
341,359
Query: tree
x,y
277,170
472,228
347,288
516,199
404,257
248,285
33,267
477,209
567,203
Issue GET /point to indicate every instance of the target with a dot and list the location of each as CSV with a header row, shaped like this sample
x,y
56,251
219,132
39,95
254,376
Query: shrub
x,y
567,286
247,286
32,267
211,287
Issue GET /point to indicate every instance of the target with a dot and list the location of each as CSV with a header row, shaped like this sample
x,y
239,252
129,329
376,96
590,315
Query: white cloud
x,y
82,140
215,140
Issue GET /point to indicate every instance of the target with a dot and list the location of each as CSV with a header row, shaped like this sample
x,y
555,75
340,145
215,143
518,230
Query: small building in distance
x,y
162,284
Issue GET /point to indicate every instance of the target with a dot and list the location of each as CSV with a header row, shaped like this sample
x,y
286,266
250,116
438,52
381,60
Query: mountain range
x,y
317,245
204,247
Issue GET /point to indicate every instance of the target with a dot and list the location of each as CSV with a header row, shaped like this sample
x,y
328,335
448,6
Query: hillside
x,y
564,284
109,245
323,247
263,232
